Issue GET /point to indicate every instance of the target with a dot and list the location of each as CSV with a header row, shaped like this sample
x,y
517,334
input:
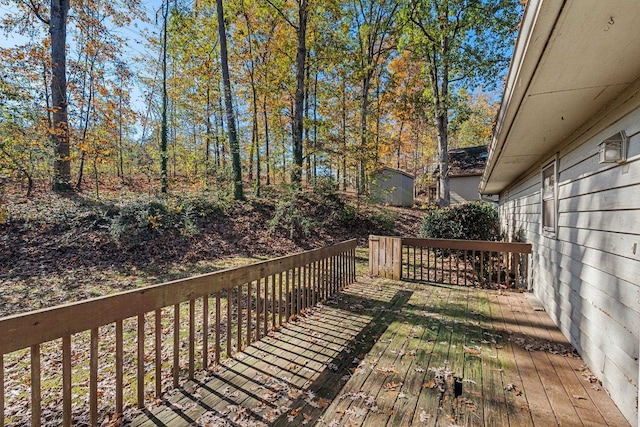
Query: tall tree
x,y
300,27
57,22
165,99
238,192
463,43
374,22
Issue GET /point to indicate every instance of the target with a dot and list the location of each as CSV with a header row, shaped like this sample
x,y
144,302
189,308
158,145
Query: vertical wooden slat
x,y
334,262
299,292
314,283
429,265
287,307
176,345
384,267
66,382
258,306
36,398
308,285
158,351
343,280
141,361
249,316
280,299
205,332
93,378
373,256
294,293
229,311
457,258
397,258
353,265
239,298
192,337
464,254
490,269
326,277
218,326
266,306
119,366
305,288
2,391
340,271
414,263
273,301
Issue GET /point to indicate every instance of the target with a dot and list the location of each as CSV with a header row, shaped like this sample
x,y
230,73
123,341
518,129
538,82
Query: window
x,y
549,198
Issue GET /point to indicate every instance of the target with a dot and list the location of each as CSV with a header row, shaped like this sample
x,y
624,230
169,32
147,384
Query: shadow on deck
x,y
398,354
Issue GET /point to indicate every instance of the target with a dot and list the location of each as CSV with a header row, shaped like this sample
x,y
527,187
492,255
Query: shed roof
x,y
396,171
468,161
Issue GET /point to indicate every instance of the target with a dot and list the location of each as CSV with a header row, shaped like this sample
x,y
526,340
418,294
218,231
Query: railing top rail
x,y
24,330
470,245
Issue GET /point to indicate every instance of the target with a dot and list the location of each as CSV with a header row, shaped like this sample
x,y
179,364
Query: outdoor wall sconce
x,y
614,149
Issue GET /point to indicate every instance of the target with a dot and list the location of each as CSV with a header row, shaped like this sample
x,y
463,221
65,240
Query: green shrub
x,y
136,221
470,221
290,217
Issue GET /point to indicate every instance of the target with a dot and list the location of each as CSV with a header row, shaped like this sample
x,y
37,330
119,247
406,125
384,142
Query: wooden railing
x,y
460,262
134,345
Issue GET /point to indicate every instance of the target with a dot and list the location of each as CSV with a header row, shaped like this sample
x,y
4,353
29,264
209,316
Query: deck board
x,y
369,358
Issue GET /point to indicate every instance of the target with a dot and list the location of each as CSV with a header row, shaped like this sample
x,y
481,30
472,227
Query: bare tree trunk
x,y
266,139
344,135
364,107
207,139
60,128
238,192
163,130
298,110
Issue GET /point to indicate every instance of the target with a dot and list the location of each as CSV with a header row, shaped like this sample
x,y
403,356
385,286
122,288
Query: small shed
x,y
393,187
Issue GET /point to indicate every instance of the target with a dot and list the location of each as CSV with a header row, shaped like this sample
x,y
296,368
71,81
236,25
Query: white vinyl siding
x,y
587,277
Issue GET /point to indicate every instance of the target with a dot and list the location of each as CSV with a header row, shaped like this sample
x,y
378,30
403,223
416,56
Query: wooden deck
x,y
399,354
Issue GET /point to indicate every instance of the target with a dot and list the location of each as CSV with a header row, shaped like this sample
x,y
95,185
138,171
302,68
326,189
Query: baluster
x,y
192,337
218,300
266,306
119,366
299,293
239,302
287,298
66,382
258,306
176,345
249,316
273,301
229,306
280,299
35,386
158,352
205,332
93,378
140,381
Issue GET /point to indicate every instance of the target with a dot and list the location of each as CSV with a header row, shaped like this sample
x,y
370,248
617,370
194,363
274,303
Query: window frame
x,y
549,194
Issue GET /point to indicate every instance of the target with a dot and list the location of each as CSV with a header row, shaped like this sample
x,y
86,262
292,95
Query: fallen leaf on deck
x,y
429,384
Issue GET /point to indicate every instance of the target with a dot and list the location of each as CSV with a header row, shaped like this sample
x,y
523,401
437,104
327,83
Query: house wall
x,y
393,188
587,276
465,186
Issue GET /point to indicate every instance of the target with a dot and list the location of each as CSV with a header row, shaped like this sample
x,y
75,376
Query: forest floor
x,y
57,249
